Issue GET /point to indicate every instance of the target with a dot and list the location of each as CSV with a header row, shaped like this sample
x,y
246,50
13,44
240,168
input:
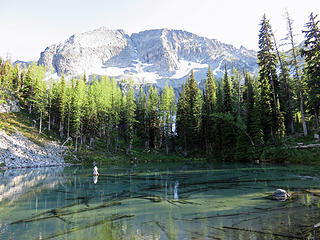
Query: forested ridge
x,y
240,117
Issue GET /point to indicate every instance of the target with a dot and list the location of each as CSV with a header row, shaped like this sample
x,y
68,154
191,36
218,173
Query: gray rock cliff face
x,y
152,56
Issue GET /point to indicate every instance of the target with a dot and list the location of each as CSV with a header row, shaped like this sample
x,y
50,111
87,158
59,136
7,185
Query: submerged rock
x,y
281,195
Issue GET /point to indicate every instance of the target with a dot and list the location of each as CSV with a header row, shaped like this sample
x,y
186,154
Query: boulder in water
x,y
281,194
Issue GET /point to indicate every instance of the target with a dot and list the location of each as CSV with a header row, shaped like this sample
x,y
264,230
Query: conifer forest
x,y
241,117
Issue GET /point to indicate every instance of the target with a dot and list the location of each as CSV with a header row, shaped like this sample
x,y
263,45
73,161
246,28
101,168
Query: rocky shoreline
x,y
17,151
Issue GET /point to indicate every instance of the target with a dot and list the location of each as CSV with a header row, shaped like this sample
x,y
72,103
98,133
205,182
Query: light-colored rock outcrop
x,y
17,151
9,105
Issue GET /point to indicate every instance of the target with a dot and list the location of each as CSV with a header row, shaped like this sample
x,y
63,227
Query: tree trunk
x,y
305,130
76,145
100,130
185,153
128,149
68,125
49,122
292,126
167,148
40,123
91,141
316,118
116,144
61,129
108,142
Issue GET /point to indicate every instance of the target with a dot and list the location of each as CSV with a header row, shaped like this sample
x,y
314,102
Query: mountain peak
x,y
154,56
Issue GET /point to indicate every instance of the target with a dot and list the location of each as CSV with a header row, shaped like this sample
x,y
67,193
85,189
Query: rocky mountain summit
x,y
152,56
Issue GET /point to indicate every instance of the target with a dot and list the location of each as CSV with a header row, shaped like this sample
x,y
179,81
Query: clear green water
x,y
176,201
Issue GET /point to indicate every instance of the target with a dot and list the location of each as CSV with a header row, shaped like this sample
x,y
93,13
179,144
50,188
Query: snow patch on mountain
x,y
185,67
152,56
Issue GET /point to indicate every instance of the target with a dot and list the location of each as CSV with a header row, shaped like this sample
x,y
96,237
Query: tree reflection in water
x,y
152,202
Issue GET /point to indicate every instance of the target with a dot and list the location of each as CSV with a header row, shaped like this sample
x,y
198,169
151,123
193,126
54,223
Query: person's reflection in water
x,y
95,179
175,190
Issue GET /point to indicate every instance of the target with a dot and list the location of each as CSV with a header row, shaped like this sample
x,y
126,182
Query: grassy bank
x,y
22,122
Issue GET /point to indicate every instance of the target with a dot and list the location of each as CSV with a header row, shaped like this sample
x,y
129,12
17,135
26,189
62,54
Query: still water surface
x,y
157,201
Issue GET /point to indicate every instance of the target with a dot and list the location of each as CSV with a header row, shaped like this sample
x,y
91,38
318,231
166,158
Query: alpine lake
x,y
189,200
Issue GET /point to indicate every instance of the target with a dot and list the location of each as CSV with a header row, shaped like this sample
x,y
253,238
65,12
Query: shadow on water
x,y
177,201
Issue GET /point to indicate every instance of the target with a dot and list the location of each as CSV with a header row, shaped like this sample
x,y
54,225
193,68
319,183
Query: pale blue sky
x,y
27,27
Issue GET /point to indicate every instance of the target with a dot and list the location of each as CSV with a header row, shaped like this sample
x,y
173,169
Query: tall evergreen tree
x,y
78,100
271,117
227,92
167,112
218,123
312,66
237,91
141,117
130,108
228,125
153,117
61,103
90,115
209,101
181,120
193,112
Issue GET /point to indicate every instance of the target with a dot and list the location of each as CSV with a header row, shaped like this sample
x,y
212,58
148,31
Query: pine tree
x,y
78,100
39,100
227,120
50,98
141,117
181,120
237,92
248,137
90,117
209,100
193,112
130,108
227,92
61,103
312,66
271,118
153,117
167,112
217,123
